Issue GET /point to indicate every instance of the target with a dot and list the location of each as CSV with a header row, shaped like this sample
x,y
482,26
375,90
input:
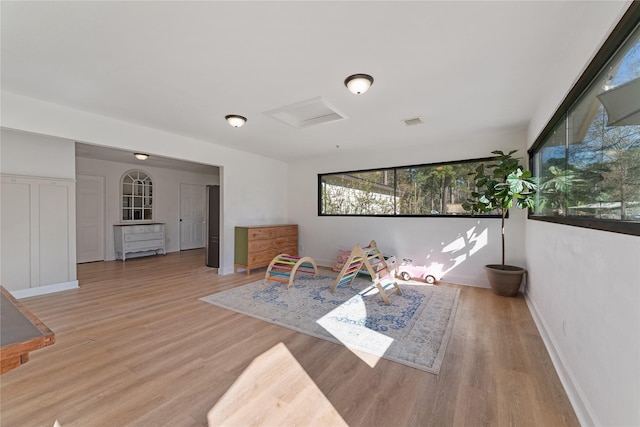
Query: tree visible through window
x,y
420,190
589,166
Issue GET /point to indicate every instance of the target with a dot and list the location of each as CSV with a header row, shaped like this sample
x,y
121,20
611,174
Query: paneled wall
x,y
38,232
37,221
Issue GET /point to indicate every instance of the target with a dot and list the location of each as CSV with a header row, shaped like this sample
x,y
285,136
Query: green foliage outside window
x,y
419,190
588,168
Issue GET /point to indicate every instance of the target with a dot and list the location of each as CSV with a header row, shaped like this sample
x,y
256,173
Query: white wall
x,y
29,154
584,285
458,247
166,195
250,185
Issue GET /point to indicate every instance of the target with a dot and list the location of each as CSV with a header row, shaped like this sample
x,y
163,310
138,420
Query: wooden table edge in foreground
x,y
16,353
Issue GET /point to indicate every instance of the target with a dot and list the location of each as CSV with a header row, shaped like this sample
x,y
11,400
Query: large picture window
x,y
588,163
419,190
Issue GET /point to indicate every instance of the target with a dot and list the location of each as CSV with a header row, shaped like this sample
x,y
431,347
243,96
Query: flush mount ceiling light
x,y
235,120
141,156
358,83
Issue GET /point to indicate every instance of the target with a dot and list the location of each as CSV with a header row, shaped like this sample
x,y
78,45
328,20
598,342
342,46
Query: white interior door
x,y
90,224
192,216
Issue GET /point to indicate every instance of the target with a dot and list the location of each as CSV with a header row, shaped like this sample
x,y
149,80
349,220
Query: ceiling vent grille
x,y
414,121
307,113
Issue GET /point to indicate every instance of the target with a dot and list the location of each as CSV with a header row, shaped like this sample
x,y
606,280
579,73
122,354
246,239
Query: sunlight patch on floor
x,y
351,331
274,390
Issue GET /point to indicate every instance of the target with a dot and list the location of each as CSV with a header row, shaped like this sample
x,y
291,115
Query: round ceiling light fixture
x,y
358,83
141,156
235,120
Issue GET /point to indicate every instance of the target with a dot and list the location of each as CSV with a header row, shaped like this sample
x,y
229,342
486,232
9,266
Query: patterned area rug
x,y
413,330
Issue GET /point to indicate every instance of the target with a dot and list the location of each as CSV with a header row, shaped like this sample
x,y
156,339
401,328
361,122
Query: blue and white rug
x,y
413,330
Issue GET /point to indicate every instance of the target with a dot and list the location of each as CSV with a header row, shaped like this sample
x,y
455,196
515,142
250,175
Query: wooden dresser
x,y
132,238
257,245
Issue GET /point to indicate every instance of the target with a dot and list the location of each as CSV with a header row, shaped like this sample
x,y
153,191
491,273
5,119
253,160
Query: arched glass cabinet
x,y
137,196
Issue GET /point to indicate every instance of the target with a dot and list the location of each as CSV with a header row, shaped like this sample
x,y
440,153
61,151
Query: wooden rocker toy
x,y
283,268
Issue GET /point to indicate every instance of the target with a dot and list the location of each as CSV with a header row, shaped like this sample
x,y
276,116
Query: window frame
x,y
142,208
622,31
394,168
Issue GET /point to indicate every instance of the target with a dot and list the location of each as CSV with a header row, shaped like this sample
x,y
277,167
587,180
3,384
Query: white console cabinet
x,y
138,238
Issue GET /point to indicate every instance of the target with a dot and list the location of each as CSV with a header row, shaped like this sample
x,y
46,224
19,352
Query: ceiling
x,y
463,67
90,151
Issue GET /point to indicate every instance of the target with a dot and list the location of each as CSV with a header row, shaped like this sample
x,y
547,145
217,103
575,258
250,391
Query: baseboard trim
x,y
43,290
580,406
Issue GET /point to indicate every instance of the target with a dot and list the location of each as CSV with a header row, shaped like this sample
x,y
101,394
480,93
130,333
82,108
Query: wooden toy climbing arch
x,y
371,259
283,268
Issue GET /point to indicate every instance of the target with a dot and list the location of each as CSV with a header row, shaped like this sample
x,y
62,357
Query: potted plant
x,y
498,185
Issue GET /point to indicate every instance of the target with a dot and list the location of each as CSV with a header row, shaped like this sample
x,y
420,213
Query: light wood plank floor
x,y
135,347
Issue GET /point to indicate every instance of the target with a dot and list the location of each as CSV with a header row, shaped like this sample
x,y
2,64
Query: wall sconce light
x,y
358,83
235,120
141,156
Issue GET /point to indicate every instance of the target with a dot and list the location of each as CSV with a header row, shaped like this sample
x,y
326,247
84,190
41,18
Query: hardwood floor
x,y
135,347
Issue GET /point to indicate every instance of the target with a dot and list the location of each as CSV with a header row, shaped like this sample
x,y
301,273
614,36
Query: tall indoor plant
x,y
498,185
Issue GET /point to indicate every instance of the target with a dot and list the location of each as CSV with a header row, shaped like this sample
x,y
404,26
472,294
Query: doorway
x,y
192,216
90,226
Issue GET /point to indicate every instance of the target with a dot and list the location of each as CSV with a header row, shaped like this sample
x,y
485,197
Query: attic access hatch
x,y
414,121
303,114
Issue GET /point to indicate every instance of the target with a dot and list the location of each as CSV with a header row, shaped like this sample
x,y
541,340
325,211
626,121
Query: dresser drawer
x,y
262,233
143,236
286,241
289,230
142,228
290,250
259,259
261,245
144,245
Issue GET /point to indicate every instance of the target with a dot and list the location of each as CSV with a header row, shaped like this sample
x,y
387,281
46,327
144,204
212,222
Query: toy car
x,y
407,271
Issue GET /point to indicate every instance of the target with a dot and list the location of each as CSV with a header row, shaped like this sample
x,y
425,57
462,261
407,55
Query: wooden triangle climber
x,y
371,259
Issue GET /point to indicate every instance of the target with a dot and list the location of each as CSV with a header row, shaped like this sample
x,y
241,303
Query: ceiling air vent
x,y
307,113
413,122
